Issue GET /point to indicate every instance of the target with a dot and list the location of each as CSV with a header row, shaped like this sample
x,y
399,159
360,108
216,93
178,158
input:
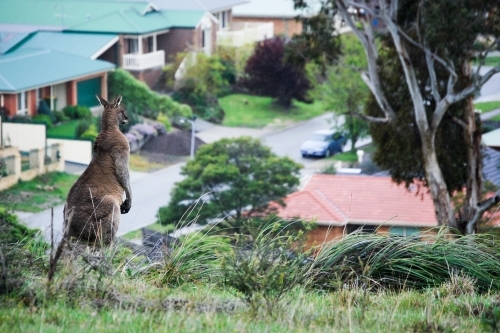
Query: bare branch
x,y
460,122
482,56
432,75
447,66
473,88
370,118
481,209
367,40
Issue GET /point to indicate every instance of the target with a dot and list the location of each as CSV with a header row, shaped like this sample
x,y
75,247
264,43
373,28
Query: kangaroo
x,y
94,203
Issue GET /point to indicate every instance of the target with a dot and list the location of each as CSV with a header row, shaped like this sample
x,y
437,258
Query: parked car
x,y
323,143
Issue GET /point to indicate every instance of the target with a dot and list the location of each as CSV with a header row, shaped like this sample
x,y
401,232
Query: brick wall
x,y
32,102
323,234
10,104
175,41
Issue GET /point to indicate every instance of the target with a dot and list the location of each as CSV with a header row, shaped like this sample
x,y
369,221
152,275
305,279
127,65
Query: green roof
x,y
95,16
84,45
9,39
33,68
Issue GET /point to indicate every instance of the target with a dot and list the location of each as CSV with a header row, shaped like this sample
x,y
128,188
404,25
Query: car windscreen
x,y
319,137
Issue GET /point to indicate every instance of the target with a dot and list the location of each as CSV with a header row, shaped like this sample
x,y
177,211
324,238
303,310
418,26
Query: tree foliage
x,y
233,179
268,73
345,93
419,73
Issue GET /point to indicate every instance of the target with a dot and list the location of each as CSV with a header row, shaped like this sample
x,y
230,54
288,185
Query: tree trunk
x,y
437,186
474,167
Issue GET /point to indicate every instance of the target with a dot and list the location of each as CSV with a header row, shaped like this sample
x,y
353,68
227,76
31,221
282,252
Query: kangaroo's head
x,y
113,113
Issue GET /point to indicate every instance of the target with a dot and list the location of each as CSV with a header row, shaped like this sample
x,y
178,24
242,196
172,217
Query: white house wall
x,y
59,91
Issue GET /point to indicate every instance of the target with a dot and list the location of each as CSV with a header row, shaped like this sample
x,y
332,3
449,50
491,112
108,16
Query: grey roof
x,y
491,165
270,8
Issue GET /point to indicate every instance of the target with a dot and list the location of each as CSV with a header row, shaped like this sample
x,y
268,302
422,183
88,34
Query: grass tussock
x,y
260,282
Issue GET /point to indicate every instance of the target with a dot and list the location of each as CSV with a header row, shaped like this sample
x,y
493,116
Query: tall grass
x,y
407,262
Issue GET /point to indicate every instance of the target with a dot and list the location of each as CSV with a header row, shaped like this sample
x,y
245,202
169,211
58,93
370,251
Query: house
x,y
147,36
491,165
492,139
342,204
62,68
280,13
227,32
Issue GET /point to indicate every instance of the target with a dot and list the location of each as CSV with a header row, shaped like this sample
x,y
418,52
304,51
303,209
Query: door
x,y
87,90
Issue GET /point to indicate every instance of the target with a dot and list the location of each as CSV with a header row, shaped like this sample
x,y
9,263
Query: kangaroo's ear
x,y
117,101
101,100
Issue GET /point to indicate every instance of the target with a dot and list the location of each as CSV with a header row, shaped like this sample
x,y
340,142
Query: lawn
x,y
114,290
137,234
66,130
139,163
45,191
256,111
487,106
490,61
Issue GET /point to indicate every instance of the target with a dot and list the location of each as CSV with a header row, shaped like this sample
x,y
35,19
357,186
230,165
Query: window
x,y
404,231
133,45
22,103
364,228
150,43
223,20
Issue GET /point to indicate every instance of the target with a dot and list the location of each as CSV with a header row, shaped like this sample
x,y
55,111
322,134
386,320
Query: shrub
x,y
269,74
77,112
83,125
43,109
195,259
42,119
265,269
90,133
60,116
162,118
138,97
205,105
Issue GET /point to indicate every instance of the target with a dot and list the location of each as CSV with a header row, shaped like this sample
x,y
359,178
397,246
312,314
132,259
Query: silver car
x,y
323,143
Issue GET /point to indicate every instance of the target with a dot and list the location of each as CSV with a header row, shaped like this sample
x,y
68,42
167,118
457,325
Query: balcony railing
x,y
144,61
245,33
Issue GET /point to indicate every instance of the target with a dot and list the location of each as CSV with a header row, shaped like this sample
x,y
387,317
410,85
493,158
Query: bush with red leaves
x,y
269,74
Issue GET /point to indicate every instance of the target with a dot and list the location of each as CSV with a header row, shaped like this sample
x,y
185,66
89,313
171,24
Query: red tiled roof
x,y
360,199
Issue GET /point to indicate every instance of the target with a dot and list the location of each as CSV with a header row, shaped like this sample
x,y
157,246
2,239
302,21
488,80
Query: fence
x,y
245,33
16,165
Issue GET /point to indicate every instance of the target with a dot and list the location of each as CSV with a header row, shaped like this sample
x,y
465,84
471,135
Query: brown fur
x,y
94,203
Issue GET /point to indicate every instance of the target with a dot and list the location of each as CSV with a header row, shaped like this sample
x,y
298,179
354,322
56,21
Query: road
x,y
151,191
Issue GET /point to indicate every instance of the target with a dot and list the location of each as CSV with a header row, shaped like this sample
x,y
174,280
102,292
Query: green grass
x,y
487,106
137,234
66,130
257,112
41,193
113,290
490,61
